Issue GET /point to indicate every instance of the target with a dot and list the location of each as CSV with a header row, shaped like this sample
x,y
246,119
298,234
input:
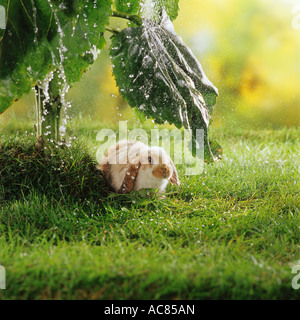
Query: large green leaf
x,y
127,6
43,35
158,74
151,9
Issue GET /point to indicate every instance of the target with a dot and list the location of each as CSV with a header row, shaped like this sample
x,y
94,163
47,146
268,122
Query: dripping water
x,y
62,82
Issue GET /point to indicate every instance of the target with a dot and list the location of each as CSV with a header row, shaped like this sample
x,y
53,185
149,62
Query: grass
x,y
232,232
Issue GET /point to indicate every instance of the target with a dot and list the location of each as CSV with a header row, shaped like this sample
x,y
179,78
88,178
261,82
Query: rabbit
x,y
132,166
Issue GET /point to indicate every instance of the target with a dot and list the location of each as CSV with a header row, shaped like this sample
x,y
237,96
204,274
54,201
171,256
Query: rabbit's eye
x,y
150,160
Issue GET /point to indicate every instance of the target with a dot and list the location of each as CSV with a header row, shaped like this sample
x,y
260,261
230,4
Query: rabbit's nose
x,y
161,171
166,173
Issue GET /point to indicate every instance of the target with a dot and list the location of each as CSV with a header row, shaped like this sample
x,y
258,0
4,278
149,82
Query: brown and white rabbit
x,y
132,165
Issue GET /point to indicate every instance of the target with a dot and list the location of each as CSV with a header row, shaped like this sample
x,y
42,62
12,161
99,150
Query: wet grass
x,y
232,232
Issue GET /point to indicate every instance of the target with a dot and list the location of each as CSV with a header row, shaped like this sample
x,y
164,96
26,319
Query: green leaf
x,y
151,9
148,9
127,6
44,35
159,75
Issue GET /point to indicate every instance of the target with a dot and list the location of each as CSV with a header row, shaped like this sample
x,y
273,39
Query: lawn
x,y
232,232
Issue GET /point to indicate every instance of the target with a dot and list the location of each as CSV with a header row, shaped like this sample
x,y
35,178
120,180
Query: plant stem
x,y
48,114
134,18
39,111
112,30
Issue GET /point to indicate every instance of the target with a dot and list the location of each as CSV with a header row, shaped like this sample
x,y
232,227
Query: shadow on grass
x,y
67,174
61,194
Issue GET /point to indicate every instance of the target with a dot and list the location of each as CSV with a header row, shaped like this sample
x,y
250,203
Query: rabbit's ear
x,y
174,178
130,178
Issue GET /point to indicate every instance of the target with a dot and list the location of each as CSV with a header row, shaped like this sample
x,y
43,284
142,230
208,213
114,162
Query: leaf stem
x,y
134,18
111,30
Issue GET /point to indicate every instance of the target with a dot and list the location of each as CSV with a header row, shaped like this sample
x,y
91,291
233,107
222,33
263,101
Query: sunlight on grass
x,y
233,232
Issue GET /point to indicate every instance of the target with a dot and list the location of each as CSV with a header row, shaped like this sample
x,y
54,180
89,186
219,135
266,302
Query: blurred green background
x,y
250,50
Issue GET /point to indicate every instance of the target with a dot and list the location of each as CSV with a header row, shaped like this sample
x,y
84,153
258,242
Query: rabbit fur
x,y
132,165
